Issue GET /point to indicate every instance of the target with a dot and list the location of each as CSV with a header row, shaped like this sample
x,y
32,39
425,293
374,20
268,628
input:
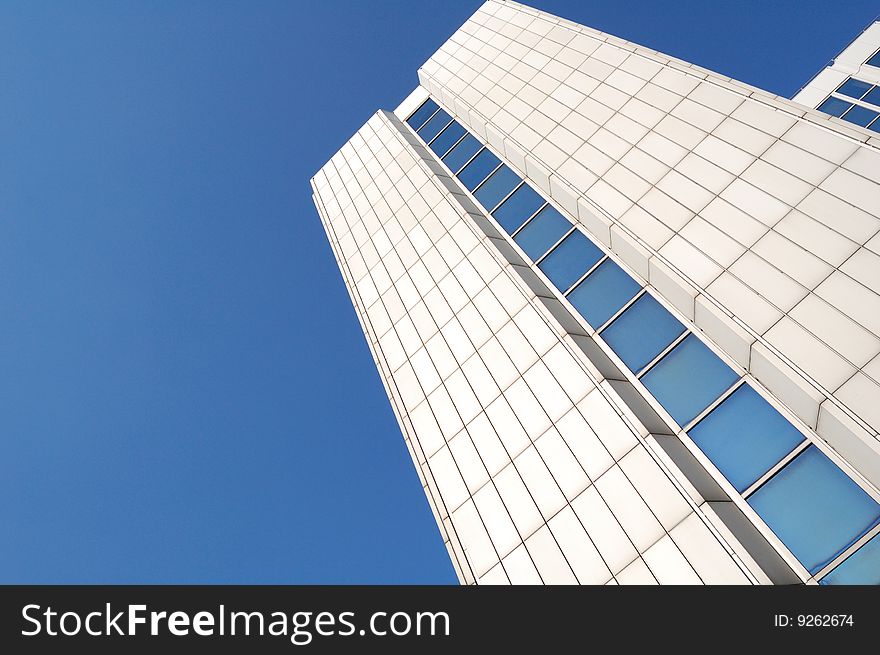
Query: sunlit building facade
x,y
626,310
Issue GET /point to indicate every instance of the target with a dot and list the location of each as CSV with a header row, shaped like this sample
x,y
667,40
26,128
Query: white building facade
x,y
626,311
849,87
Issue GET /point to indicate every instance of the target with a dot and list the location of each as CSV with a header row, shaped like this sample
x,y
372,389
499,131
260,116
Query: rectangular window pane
x,y
545,229
862,567
745,437
874,96
860,115
517,208
434,125
461,153
875,126
603,293
493,190
642,332
422,114
688,379
835,106
854,88
570,260
447,138
875,60
480,166
815,509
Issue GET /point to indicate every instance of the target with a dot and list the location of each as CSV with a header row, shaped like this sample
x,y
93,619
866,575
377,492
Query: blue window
x,y
434,125
493,190
875,60
873,96
835,106
605,291
875,126
815,509
461,153
745,437
570,260
860,115
854,88
642,332
447,139
688,379
862,567
422,114
516,210
545,229
480,166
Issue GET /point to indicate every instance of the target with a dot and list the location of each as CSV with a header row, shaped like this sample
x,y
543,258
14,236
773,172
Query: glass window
x,y
688,379
814,508
545,229
447,138
480,166
605,291
875,60
873,96
835,106
860,115
434,125
516,210
570,260
745,437
493,190
862,567
422,114
642,332
461,153
875,126
854,88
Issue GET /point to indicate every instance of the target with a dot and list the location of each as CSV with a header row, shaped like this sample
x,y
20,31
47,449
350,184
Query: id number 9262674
x,y
813,621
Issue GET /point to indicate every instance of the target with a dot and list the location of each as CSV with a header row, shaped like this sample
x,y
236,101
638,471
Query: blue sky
x,y
185,393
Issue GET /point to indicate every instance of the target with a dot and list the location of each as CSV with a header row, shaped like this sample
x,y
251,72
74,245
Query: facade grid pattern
x,y
755,222
713,390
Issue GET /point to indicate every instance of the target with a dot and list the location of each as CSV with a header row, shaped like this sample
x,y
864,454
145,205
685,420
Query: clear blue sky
x,y
185,393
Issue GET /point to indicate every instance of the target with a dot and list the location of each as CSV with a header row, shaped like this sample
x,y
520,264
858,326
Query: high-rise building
x,y
626,310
